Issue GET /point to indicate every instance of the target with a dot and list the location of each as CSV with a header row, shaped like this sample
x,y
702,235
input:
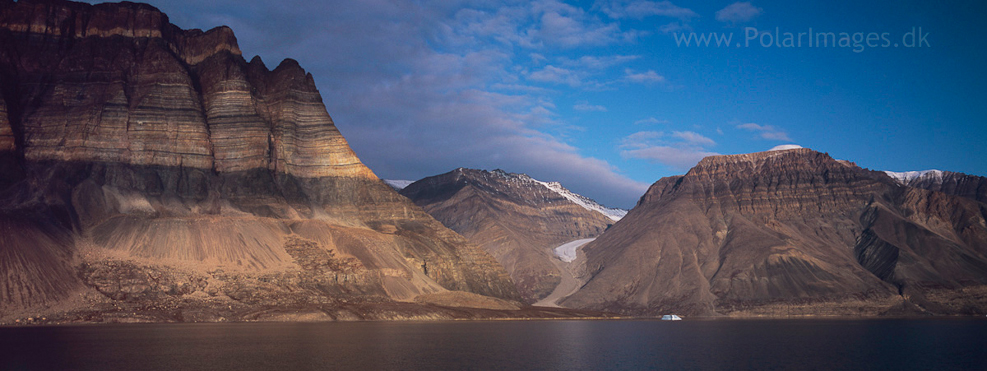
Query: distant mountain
x,y
587,203
907,177
151,173
957,184
794,232
398,184
514,217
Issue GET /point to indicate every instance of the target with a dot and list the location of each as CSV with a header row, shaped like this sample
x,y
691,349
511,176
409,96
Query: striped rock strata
x,y
152,173
791,232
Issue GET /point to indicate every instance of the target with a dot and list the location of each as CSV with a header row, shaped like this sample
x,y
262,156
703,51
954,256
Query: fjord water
x,y
872,344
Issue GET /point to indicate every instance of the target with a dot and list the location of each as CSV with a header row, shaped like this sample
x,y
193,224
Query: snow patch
x,y
517,180
567,251
784,147
906,177
398,184
587,203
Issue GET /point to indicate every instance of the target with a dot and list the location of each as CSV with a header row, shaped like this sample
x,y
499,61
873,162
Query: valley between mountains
x,y
154,174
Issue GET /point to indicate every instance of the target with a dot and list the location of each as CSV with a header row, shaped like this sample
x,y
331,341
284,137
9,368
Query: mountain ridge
x,y
791,231
153,174
516,218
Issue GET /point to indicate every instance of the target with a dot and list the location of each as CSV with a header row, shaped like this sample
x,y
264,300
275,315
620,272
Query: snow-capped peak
x,y
524,180
906,177
585,202
784,147
398,184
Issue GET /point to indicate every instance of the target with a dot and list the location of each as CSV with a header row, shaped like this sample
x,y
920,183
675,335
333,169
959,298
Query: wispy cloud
x,y
738,12
583,106
679,150
557,75
536,25
537,58
647,77
641,139
765,131
567,30
639,9
599,62
693,138
650,121
674,27
678,158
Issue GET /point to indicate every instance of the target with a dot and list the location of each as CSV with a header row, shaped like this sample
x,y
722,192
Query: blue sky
x,y
599,96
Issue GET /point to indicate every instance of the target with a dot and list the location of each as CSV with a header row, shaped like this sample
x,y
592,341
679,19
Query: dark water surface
x,y
881,344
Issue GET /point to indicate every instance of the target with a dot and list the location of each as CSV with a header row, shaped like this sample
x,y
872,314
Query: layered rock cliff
x,y
150,169
790,232
517,219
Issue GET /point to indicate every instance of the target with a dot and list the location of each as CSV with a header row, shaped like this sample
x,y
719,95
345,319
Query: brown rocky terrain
x,y
152,173
791,232
514,217
958,184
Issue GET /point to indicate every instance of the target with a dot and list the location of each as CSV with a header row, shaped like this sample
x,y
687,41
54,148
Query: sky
x,y
609,96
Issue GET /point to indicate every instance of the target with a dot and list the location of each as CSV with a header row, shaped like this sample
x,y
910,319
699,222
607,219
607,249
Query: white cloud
x,y
674,27
775,135
518,88
647,77
680,150
679,158
640,9
766,131
599,62
751,126
537,58
533,25
693,138
589,107
641,139
738,12
650,121
556,75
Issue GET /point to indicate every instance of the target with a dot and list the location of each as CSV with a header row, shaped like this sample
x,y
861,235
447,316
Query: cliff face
x,y
146,166
514,217
789,232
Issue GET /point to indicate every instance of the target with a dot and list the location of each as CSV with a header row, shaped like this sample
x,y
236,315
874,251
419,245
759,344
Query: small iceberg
x,y
671,317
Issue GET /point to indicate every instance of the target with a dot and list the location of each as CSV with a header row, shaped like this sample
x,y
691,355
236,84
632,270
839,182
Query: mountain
x,y
514,217
398,184
585,202
906,177
152,173
792,232
957,184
